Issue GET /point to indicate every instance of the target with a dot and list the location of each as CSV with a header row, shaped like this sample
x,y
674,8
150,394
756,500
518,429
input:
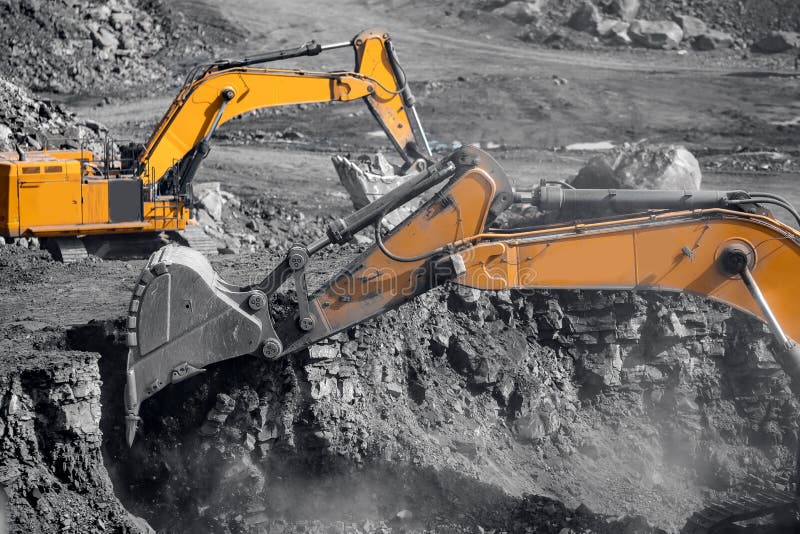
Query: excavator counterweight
x,y
183,317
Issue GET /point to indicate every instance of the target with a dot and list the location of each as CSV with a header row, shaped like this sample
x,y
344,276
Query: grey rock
x,y
541,421
5,137
217,415
209,196
404,515
93,125
624,9
369,178
691,26
468,296
521,12
394,389
663,34
620,38
776,42
612,27
641,166
232,245
105,39
323,388
101,13
323,352
121,20
712,40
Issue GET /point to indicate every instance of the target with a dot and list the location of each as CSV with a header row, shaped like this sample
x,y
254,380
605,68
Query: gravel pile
x,y
573,23
32,122
252,224
749,19
70,46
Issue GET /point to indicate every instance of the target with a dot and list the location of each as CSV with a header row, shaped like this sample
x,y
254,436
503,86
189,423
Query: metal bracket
x,y
184,371
298,258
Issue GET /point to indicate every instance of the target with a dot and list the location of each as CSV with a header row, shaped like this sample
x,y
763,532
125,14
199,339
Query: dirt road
x,y
477,83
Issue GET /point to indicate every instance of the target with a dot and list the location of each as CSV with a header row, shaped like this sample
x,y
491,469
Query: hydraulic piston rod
x,y
408,97
554,198
737,259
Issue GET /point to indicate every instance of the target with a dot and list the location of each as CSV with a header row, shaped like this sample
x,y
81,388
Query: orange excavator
x,y
64,194
723,245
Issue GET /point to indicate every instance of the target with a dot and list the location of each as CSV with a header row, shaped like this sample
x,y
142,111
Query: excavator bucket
x,y
182,318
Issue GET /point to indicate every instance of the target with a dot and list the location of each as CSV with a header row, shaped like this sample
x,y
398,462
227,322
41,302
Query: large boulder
x,y
661,34
776,42
208,196
691,26
585,18
640,166
712,39
521,12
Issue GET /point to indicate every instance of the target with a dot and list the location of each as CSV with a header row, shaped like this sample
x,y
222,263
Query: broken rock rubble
x,y
51,464
504,371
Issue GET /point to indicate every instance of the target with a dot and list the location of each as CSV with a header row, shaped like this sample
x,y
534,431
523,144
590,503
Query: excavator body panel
x,y
9,200
51,193
669,252
41,191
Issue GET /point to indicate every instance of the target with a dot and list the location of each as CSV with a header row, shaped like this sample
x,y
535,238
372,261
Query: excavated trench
x,y
445,413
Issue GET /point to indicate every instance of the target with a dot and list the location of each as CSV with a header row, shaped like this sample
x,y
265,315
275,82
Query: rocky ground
x,y
702,25
68,47
511,411
51,459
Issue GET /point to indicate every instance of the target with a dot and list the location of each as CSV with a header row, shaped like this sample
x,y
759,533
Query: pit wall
x,y
627,403
51,466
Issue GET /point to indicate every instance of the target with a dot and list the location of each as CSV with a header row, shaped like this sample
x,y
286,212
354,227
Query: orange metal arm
x,y
191,115
669,251
183,317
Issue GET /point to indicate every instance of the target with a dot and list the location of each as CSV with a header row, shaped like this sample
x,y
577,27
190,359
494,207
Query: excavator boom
x,y
184,317
218,92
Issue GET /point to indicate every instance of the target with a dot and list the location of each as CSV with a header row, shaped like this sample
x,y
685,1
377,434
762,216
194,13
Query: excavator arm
x,y
218,92
183,317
